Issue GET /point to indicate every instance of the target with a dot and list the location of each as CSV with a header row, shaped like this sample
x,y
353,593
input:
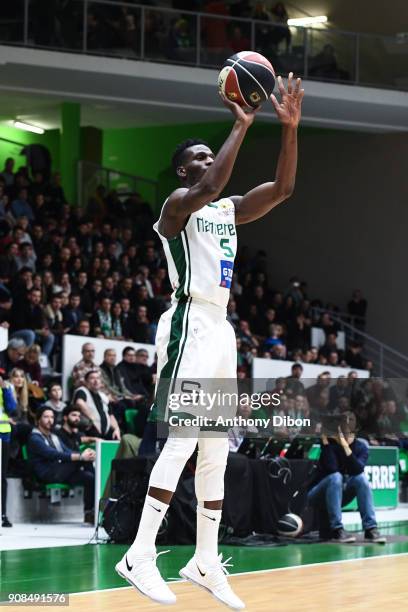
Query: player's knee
x,y
214,452
179,450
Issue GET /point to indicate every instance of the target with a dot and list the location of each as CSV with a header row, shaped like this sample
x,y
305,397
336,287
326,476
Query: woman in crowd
x,y
31,365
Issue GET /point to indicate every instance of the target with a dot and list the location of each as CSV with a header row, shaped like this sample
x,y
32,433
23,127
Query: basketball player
x,y
194,340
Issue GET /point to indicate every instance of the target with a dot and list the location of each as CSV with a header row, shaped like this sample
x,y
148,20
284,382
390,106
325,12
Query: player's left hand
x,y
289,108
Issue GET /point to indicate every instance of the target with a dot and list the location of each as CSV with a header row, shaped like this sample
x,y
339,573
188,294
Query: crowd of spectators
x,y
173,35
101,273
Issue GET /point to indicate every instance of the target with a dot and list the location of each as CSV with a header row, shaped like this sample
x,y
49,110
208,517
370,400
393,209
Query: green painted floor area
x,y
74,569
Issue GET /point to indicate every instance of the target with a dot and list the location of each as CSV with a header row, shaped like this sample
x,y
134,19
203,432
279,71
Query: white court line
x,y
263,571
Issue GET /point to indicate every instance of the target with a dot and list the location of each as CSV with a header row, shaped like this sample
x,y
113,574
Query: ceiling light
x,y
307,21
28,128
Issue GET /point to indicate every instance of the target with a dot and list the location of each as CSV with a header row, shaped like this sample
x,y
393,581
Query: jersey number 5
x,y
224,244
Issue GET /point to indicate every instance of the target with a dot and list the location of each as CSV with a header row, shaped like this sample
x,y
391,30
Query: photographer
x,y
341,478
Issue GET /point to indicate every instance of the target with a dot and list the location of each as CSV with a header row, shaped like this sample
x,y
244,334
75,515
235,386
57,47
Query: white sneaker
x,y
214,579
142,573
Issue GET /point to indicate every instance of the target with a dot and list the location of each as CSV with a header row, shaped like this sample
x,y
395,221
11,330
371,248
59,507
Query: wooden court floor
x,y
377,583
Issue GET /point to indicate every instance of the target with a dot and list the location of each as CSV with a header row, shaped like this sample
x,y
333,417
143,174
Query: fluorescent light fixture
x,y
307,21
28,128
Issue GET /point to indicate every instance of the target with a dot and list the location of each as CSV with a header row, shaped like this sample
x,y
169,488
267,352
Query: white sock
x,y
151,519
208,522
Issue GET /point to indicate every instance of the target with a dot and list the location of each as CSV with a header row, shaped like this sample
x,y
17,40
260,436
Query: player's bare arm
x,y
260,200
215,173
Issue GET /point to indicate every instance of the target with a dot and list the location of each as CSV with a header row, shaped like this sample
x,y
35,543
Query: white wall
x,y
263,369
345,226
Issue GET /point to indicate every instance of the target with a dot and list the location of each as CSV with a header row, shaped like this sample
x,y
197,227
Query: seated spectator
x,y
26,257
232,315
278,351
354,357
299,331
313,393
55,402
324,65
12,355
330,345
31,325
131,373
86,364
101,321
274,337
113,383
237,434
94,405
7,410
337,391
54,318
31,364
139,329
8,265
117,322
72,314
341,478
83,328
52,461
246,335
293,383
69,432
21,206
121,398
144,370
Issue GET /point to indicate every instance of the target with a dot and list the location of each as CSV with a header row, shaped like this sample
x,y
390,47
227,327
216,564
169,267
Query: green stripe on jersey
x,y
179,257
175,349
189,261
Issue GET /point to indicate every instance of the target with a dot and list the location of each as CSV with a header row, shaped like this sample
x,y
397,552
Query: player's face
x,y
197,160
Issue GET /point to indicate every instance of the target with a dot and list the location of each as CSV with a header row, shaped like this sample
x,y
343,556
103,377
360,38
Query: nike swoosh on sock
x,y
157,509
209,517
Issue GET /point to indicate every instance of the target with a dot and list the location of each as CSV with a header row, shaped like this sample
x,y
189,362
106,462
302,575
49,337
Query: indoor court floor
x,y
314,576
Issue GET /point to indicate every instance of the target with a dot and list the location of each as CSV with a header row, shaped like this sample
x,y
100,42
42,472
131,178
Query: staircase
x,y
388,363
91,175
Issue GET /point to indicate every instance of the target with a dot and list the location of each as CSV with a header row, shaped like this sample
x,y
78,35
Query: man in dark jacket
x,y
29,322
341,478
52,461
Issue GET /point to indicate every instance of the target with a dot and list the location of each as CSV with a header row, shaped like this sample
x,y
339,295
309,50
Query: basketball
x,y
247,78
290,525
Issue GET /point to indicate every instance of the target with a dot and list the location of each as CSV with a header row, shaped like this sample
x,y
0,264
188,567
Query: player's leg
x,y
138,566
162,484
206,568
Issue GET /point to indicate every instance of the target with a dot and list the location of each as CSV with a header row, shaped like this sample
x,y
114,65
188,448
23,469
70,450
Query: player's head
x,y
191,159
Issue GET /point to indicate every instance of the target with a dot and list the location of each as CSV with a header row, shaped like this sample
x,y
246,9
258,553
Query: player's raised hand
x,y
289,108
245,117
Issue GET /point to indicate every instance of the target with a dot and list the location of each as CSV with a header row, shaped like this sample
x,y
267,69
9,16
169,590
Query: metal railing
x,y
91,176
151,33
387,361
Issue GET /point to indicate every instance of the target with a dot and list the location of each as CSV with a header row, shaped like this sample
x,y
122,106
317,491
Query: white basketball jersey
x,y
201,258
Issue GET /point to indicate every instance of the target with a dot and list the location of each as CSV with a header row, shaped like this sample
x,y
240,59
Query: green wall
x,y
147,151
7,149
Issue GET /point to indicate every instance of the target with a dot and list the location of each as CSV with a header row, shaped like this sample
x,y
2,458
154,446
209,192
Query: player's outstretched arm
x,y
186,200
260,200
